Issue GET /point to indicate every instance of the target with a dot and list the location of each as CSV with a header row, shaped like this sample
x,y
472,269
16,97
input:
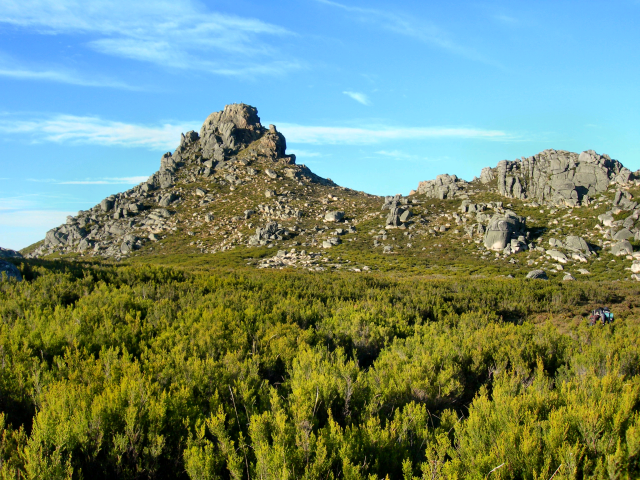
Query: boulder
x,y
568,277
335,216
537,274
557,256
577,244
107,204
622,248
606,219
405,216
167,199
501,229
9,270
486,175
623,234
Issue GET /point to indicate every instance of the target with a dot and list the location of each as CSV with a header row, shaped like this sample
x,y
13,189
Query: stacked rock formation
x,y
444,186
557,176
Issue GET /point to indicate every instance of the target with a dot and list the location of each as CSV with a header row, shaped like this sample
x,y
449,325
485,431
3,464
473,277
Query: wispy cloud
x,y
359,97
317,135
95,130
409,26
11,68
180,34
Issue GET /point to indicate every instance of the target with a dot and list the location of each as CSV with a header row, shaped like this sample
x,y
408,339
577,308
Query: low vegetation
x,y
146,371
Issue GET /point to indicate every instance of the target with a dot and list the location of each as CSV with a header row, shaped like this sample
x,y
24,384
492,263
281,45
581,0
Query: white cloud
x,y
60,76
366,136
94,130
171,33
359,97
412,27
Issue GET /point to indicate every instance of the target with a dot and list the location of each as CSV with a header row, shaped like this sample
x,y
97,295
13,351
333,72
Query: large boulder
x,y
623,234
557,256
9,270
502,229
577,244
335,216
537,274
622,248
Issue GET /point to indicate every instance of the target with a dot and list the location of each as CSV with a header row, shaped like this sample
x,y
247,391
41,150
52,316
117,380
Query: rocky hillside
x,y
232,186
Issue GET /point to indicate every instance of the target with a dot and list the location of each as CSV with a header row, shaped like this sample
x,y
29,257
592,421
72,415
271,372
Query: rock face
x,y
10,270
559,177
502,229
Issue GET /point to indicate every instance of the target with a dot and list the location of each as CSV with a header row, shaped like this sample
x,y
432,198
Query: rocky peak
x,y
230,130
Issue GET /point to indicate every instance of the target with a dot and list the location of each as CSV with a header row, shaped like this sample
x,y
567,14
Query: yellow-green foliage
x,y
148,372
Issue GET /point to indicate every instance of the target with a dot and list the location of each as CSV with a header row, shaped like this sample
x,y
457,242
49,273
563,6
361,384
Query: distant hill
x,y
232,186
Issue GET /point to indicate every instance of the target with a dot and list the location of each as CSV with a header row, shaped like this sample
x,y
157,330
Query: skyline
x,y
376,97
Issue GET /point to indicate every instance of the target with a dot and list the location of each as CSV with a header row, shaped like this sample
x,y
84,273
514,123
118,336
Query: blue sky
x,y
375,95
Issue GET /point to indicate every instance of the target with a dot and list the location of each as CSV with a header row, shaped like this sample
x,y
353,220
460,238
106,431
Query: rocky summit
x,y
232,186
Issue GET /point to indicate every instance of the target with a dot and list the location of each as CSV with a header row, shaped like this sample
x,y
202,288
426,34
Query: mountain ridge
x,y
232,185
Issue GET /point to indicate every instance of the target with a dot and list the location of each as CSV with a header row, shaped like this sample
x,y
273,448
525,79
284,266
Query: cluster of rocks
x,y
295,259
577,247
315,262
617,233
557,177
270,232
276,211
399,213
444,186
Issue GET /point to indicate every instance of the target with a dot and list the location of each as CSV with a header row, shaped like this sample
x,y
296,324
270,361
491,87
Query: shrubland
x,y
146,371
